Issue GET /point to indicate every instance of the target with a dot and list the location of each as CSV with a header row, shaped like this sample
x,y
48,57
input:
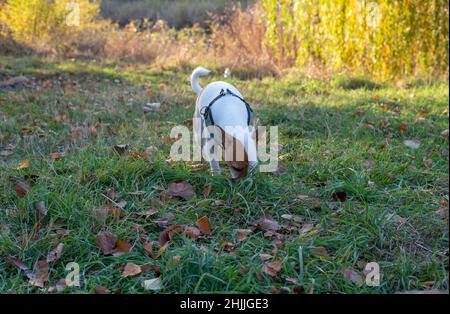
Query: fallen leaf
x,y
21,188
17,262
112,193
265,257
290,217
23,164
62,232
168,233
227,246
206,190
42,211
148,212
106,241
148,248
299,290
182,190
428,162
352,276
204,225
191,232
306,228
101,290
156,269
414,144
339,196
403,127
57,155
122,247
110,210
161,250
131,270
56,254
272,268
40,274
163,221
266,222
60,286
291,280
241,234
152,284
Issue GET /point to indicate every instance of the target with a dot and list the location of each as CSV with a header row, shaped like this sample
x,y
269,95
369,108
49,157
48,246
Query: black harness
x,y
206,111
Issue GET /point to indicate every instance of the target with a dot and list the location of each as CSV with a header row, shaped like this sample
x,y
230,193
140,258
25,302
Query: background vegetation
x,y
384,39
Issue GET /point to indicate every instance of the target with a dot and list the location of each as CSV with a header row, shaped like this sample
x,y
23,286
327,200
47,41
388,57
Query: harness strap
x,y
207,116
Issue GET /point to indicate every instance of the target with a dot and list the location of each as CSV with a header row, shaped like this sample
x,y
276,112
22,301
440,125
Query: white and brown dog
x,y
222,111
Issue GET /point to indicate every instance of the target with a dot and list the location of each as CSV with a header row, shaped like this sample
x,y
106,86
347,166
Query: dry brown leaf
x,y
294,218
164,221
56,254
267,223
306,228
339,196
272,268
161,250
17,262
57,155
21,188
403,127
42,211
183,190
227,246
40,274
101,290
112,193
148,248
206,190
110,210
265,257
60,286
106,242
191,232
352,276
131,270
122,247
241,234
204,225
168,233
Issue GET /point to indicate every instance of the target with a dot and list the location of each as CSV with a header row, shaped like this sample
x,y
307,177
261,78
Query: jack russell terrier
x,y
225,119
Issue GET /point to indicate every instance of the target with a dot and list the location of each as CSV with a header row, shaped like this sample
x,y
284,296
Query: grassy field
x,y
359,193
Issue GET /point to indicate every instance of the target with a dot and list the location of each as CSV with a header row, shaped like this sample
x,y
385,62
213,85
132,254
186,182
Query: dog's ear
x,y
235,155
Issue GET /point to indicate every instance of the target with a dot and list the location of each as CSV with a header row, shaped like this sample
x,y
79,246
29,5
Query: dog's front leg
x,y
215,168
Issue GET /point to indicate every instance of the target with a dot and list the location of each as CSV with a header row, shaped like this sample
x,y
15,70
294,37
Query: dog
x,y
223,112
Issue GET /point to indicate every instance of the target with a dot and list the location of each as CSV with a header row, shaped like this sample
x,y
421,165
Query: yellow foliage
x,y
385,38
31,21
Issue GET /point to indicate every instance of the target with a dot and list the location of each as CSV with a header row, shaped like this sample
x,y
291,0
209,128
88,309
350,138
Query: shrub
x,y
385,38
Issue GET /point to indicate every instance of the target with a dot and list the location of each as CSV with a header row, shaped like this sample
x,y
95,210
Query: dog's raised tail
x,y
194,78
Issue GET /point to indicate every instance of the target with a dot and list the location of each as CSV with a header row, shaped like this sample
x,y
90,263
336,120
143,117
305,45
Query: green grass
x,y
336,136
